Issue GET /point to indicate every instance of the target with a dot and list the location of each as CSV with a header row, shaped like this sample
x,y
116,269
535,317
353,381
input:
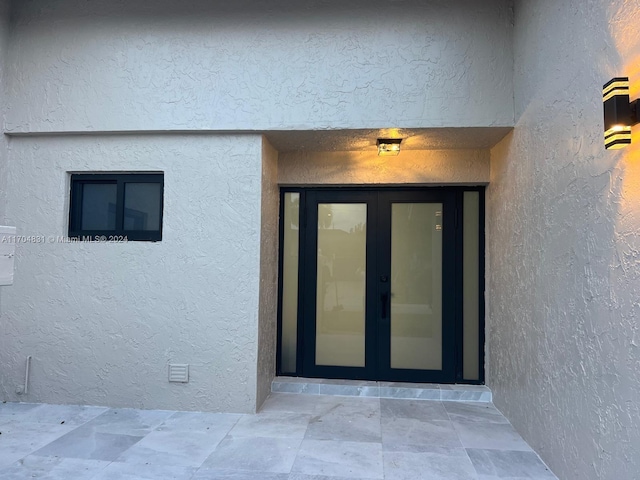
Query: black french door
x,y
382,284
379,284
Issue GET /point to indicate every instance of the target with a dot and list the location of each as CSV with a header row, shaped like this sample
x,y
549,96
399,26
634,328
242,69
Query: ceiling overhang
x,y
463,138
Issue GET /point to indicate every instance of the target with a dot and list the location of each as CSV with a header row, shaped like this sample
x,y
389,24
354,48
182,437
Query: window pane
x,y
142,204
290,282
99,206
471,285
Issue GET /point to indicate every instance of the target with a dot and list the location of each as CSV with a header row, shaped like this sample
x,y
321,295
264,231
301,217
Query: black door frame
x,y
452,371
447,198
314,197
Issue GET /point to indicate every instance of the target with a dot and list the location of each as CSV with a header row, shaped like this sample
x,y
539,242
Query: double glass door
x,y
382,284
378,299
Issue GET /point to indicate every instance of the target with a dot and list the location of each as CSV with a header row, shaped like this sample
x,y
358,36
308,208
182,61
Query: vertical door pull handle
x,y
384,298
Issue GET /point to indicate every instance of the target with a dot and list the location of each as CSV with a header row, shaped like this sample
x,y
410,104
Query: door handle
x,y
384,298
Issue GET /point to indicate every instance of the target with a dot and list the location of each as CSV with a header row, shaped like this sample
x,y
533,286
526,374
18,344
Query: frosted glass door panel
x,y
416,286
471,286
290,262
340,293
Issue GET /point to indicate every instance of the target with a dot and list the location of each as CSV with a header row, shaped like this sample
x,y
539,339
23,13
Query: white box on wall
x,y
7,254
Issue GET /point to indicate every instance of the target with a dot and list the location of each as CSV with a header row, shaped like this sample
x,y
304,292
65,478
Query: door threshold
x,y
363,388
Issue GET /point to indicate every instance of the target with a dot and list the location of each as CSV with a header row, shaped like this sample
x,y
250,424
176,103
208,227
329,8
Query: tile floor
x,y
294,437
363,388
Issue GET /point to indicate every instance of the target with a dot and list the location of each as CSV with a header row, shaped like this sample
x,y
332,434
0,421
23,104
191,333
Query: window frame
x,y
78,180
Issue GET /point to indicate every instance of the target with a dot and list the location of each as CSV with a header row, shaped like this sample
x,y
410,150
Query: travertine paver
x,y
293,437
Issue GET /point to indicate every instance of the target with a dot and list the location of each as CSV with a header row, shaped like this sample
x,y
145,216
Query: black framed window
x,y
119,206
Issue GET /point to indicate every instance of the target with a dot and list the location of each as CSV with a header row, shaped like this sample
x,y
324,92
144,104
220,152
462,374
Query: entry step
x,y
360,388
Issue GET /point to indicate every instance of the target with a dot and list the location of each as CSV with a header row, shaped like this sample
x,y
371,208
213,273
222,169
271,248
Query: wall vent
x,y
179,372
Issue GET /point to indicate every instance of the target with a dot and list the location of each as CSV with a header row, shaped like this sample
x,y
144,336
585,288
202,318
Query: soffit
x,y
468,138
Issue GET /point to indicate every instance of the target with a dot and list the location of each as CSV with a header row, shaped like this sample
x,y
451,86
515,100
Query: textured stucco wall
x,y
267,327
4,37
4,42
249,65
102,321
428,167
564,244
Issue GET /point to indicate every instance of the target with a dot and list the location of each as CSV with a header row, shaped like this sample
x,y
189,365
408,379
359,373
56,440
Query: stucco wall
x,y
249,65
269,234
4,34
102,321
433,167
4,41
564,243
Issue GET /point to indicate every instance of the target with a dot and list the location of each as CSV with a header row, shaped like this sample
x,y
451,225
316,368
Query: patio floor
x,y
294,437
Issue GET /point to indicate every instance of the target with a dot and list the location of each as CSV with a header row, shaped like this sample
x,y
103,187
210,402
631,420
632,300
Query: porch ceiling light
x,y
388,146
619,114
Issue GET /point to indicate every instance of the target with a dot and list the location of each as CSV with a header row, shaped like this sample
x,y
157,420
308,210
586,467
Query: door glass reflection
x,y
416,286
340,295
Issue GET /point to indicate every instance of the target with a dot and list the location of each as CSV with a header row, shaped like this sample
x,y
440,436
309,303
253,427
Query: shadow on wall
x,y
276,12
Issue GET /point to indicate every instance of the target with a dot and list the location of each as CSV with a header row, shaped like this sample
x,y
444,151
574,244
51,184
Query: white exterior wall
x,y
103,321
564,243
4,41
269,238
247,65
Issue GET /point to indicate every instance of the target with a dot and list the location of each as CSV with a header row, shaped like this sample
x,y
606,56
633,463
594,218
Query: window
x,y
116,206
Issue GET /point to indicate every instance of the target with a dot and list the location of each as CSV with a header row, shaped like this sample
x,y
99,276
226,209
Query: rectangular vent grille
x,y
178,372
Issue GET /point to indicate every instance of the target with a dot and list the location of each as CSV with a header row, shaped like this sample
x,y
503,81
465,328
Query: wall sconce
x,y
619,114
388,146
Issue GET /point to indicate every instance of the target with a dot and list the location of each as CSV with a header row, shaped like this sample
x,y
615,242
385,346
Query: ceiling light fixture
x,y
388,146
619,113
